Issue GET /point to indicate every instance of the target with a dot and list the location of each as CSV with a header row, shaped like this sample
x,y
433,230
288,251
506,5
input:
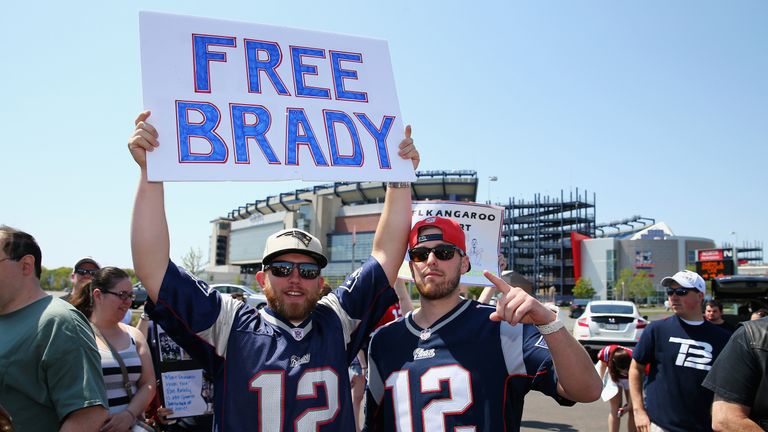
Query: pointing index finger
x,y
499,282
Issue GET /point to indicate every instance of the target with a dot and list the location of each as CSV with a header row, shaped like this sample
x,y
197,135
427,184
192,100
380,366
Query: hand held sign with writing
x,y
182,392
482,229
239,101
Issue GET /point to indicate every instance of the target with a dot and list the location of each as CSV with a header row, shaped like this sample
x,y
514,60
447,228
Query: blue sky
x,y
658,107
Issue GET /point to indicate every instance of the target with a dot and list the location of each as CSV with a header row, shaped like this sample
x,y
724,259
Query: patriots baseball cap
x,y
293,240
84,260
686,279
451,232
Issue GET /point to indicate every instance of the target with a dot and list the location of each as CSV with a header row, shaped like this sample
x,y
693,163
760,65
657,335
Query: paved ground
x,y
542,413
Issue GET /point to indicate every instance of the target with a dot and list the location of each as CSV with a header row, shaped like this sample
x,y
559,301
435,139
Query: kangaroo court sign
x,y
239,101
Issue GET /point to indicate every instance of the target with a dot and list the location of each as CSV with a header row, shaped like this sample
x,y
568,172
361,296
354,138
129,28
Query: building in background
x,y
550,241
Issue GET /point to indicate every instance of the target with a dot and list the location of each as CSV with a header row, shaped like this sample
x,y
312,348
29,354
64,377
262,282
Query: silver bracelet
x,y
398,185
550,328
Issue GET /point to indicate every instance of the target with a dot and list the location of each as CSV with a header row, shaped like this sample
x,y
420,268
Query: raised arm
x,y
150,244
391,238
577,379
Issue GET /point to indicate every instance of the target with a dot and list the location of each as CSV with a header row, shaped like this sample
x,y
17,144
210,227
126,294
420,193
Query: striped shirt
x,y
113,377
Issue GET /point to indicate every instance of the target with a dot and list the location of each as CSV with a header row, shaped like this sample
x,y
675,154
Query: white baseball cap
x,y
686,279
294,240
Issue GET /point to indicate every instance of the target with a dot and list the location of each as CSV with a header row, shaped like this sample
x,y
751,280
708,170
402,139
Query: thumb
x,y
499,282
408,132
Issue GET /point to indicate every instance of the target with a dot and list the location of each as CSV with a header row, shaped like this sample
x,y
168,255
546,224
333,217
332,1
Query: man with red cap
x,y
456,364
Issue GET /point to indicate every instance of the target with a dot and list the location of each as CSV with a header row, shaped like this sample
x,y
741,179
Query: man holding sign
x,y
456,363
283,367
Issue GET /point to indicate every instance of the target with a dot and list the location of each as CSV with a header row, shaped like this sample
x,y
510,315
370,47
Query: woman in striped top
x,y
111,296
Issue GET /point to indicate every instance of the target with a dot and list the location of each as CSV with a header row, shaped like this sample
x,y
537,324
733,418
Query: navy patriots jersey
x,y
270,375
464,373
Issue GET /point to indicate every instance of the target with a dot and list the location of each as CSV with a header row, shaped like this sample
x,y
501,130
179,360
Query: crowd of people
x,y
451,364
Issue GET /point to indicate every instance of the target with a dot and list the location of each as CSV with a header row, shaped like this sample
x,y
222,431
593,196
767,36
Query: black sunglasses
x,y
443,252
84,272
124,295
679,291
284,268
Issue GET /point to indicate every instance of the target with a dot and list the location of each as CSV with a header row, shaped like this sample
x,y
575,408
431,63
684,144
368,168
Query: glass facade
x,y
340,247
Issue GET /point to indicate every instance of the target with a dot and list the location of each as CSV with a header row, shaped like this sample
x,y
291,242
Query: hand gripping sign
x,y
239,101
482,229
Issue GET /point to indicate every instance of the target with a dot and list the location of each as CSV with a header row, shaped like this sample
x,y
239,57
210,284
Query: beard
x,y
441,290
292,312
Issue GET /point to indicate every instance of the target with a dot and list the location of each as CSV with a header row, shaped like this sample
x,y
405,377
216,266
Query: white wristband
x,y
550,328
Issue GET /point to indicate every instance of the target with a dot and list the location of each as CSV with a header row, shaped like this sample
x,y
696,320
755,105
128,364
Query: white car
x,y
609,322
248,295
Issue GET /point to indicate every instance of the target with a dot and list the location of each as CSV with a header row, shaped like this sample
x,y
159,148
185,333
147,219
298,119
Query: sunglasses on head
x,y
124,295
284,268
679,291
85,272
443,252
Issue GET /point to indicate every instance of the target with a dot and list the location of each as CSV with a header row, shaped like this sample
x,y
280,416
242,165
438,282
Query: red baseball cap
x,y
451,232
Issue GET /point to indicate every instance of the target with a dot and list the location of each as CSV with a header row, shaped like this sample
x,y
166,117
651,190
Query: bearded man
x,y
283,367
455,364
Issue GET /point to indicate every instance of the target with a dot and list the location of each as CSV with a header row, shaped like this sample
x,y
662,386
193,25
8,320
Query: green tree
x,y
56,279
641,286
583,289
193,261
621,289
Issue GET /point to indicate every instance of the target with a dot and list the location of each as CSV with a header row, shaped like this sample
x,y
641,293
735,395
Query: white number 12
x,y
433,415
271,388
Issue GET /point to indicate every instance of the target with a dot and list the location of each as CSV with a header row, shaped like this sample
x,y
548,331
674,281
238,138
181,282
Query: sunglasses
x,y
443,252
283,269
680,292
84,272
124,295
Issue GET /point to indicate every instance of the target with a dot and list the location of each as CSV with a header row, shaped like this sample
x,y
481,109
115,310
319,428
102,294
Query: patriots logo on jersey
x,y
351,281
200,283
298,333
298,361
421,353
541,343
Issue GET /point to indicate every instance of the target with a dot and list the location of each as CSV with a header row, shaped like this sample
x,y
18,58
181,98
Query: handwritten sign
x,y
183,393
482,229
239,101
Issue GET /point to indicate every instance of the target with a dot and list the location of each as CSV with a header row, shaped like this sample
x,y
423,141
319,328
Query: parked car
x,y
253,298
609,322
140,294
577,307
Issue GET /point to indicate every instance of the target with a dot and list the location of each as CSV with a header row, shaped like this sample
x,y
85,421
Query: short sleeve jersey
x,y
740,373
269,374
680,355
49,364
465,370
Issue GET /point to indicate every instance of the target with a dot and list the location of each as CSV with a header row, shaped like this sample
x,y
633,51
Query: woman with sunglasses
x,y
107,297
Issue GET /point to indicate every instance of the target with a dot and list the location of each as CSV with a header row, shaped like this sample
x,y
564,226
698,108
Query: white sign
x,y
239,101
183,393
482,230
